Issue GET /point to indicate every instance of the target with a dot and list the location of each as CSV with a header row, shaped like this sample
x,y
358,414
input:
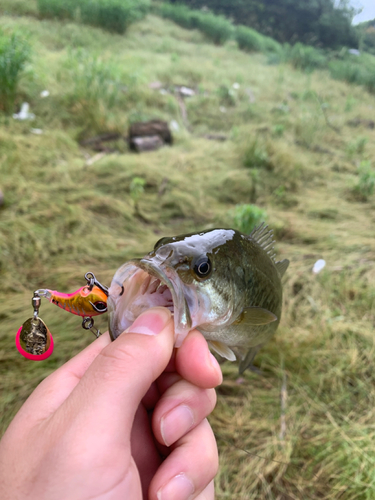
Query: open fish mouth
x,y
141,284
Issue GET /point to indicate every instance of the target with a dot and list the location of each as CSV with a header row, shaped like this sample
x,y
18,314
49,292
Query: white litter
x,y
24,113
174,126
223,109
186,92
44,93
36,131
318,266
236,86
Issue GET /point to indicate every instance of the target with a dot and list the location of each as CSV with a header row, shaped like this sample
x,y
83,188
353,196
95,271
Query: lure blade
x,y
34,341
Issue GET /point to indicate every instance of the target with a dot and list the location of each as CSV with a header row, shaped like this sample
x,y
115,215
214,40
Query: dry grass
x,y
63,217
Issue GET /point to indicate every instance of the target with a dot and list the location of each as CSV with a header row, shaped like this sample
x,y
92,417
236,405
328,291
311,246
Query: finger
x,y
181,408
195,363
159,387
113,386
189,469
54,389
208,493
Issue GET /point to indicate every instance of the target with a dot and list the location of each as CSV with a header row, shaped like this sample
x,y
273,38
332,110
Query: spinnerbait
x,y
34,340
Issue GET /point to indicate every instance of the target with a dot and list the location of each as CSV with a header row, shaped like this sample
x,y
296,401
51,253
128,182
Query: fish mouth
x,y
141,284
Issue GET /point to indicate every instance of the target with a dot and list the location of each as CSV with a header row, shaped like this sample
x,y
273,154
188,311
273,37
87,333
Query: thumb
x,y
112,388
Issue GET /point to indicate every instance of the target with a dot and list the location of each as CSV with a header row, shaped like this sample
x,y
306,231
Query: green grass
x,y
64,216
14,55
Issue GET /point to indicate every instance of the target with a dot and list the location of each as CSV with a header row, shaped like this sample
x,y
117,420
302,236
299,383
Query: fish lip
x,y
182,319
167,276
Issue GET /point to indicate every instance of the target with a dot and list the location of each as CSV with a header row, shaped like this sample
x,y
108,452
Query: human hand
x,y
98,427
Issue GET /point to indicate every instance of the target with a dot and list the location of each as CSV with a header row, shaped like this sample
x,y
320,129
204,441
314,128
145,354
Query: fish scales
x,y
224,283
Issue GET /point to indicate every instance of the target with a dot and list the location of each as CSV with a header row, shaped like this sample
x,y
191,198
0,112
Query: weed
x,y
278,130
14,54
256,155
96,85
356,147
137,188
305,57
246,217
365,185
227,95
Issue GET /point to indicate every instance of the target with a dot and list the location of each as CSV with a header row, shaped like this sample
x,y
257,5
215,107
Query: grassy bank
x,y
298,145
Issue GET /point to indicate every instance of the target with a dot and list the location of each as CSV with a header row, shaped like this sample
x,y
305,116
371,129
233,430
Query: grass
x,y
14,54
64,216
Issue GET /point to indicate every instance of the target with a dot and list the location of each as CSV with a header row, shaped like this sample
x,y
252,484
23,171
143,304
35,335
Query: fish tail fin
x,y
247,361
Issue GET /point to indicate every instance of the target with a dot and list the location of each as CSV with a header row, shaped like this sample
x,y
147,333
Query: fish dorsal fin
x,y
255,316
222,349
264,238
282,266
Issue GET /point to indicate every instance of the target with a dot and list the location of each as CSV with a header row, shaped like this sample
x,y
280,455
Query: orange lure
x,y
86,301
34,340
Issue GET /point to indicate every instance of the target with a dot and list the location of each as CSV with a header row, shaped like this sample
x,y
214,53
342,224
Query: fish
x,y
222,282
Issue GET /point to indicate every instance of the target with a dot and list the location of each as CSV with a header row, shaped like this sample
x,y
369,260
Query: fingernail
x,y
150,322
176,423
179,487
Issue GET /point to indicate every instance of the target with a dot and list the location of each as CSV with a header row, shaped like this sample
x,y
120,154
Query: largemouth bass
x,y
220,281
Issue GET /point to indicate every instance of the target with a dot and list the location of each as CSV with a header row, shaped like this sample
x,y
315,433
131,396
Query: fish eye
x,y
202,267
100,306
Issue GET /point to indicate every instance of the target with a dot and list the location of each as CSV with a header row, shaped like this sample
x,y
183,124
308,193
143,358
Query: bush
x,y
249,39
111,15
180,14
305,57
217,28
64,9
359,71
246,217
14,54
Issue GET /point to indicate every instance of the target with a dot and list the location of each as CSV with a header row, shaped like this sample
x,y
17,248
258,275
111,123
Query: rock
x,y
148,143
357,122
146,136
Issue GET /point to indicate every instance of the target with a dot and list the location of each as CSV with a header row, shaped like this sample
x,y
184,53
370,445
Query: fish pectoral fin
x,y
256,316
282,266
222,349
247,361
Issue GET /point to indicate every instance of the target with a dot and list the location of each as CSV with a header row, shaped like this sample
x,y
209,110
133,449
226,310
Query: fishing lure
x,y
34,340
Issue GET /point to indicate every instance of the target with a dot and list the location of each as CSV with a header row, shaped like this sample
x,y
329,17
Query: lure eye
x,y
202,267
100,306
